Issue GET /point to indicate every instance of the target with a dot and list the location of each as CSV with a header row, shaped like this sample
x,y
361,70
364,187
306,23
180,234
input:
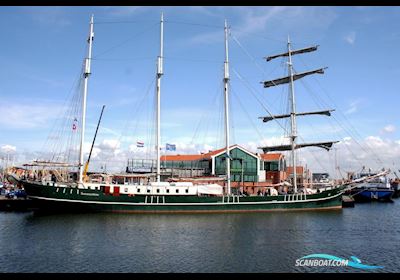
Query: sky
x,y
44,47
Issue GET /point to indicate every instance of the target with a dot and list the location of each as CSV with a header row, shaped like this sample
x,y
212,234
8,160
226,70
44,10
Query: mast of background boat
x,y
159,74
292,117
85,85
226,84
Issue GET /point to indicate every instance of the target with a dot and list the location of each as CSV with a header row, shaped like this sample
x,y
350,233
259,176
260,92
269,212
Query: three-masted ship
x,y
169,197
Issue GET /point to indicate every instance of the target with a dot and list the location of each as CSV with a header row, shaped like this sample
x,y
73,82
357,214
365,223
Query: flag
x,y
170,147
139,144
74,124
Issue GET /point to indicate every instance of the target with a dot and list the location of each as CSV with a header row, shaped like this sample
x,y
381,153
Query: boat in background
x,y
376,189
395,184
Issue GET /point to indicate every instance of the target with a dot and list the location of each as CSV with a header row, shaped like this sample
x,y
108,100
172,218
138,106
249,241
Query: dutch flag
x,y
139,144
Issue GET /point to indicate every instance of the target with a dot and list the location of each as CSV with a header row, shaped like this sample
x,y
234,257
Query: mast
x,y
292,117
159,74
226,92
85,85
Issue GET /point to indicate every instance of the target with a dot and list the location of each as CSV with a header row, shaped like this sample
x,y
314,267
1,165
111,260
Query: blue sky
x,y
43,49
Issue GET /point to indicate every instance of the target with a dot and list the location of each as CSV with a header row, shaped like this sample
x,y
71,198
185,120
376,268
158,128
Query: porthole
x,y
177,190
167,190
158,190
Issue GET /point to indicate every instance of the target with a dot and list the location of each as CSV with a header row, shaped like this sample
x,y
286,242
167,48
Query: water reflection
x,y
251,242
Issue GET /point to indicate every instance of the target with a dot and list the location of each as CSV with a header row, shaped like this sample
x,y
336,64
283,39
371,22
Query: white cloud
x,y
26,114
350,38
389,128
54,16
353,107
123,11
8,149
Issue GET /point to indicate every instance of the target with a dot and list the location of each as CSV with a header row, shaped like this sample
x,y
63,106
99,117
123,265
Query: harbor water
x,y
248,242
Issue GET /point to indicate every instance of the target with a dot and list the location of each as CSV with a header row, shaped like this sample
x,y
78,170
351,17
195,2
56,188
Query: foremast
x,y
292,115
86,75
226,95
159,75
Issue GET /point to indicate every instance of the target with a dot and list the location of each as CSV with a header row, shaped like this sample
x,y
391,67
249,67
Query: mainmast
x,y
159,74
293,133
226,92
85,85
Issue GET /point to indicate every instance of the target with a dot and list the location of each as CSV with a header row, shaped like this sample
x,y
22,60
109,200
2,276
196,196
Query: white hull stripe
x,y
188,204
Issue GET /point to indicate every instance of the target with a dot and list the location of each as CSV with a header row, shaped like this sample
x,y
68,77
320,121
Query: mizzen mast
x,y
85,86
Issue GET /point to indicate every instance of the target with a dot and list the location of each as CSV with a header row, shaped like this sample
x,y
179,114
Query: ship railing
x,y
229,200
154,199
295,197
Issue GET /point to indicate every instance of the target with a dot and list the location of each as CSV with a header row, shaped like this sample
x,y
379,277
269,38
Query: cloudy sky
x,y
44,47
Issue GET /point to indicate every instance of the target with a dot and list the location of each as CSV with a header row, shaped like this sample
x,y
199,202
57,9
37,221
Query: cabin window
x,y
148,191
88,187
187,190
177,190
167,190
158,190
126,190
138,190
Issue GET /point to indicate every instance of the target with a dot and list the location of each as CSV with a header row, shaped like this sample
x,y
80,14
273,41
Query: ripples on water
x,y
250,242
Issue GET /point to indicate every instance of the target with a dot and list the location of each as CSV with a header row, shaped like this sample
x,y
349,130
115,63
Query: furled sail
x,y
305,50
286,80
324,145
269,118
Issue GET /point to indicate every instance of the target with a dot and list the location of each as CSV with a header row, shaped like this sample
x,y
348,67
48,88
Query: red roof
x,y
193,157
299,169
182,157
271,157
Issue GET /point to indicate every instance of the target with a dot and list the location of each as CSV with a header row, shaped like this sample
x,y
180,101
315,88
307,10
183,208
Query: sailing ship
x,y
169,197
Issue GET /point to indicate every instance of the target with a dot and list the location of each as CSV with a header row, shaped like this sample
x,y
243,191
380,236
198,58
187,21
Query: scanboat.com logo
x,y
329,260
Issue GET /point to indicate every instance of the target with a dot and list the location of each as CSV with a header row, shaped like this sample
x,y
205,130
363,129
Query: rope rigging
x,y
350,130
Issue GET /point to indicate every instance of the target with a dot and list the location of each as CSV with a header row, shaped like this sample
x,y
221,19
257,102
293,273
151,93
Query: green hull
x,y
84,200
